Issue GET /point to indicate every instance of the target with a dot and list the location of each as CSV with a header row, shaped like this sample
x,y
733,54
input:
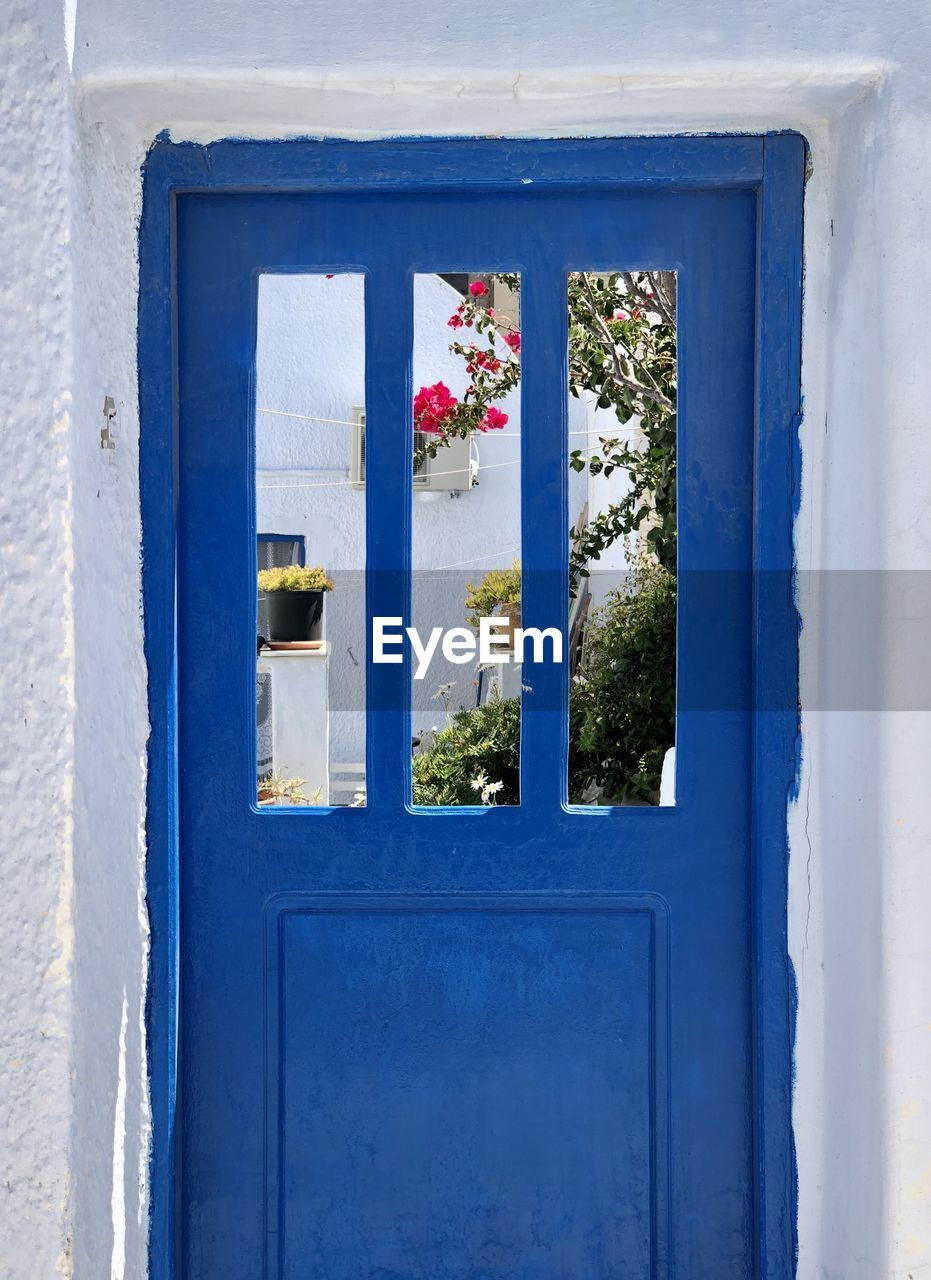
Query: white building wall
x,y
456,540
110,1118
853,78
310,362
37,675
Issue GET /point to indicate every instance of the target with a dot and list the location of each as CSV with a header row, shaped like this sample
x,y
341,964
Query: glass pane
x,y
622,610
466,681
310,521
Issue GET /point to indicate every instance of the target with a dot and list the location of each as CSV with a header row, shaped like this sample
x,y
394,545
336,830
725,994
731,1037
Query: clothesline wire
x,y
309,417
460,564
333,484
345,422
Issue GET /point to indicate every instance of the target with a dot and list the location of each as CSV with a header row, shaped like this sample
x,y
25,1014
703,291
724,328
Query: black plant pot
x,y
295,615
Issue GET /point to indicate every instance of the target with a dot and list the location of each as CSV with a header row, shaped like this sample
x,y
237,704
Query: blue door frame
x,y
772,169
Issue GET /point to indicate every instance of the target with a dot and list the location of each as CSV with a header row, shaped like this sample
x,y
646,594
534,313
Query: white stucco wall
x,y
73,1106
851,76
37,676
110,1126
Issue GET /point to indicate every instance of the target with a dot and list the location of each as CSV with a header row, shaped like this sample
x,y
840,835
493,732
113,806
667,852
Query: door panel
x,y
505,1043
513,1118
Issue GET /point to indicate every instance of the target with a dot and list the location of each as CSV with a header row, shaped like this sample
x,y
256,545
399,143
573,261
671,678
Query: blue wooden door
x,y
515,1044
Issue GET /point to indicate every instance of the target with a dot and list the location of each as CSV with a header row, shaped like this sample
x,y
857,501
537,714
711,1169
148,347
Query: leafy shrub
x,y
499,586
294,578
623,699
478,740
621,712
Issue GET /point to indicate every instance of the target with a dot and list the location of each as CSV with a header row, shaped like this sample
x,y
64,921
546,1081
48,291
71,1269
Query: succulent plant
x,y
295,578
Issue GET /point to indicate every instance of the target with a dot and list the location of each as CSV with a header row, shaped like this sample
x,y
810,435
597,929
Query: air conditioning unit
x,y
451,471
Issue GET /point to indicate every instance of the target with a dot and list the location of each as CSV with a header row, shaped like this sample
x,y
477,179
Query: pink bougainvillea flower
x,y
493,420
512,340
620,315
432,406
490,311
455,321
477,289
483,360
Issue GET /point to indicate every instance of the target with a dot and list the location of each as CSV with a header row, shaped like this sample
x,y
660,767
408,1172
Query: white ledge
x,y
325,103
273,655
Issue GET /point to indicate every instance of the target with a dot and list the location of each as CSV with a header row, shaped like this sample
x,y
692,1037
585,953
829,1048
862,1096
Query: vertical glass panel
x,y
310,533
622,492
466,595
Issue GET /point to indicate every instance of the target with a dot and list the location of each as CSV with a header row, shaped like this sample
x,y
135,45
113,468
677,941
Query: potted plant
x,y
498,594
295,602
